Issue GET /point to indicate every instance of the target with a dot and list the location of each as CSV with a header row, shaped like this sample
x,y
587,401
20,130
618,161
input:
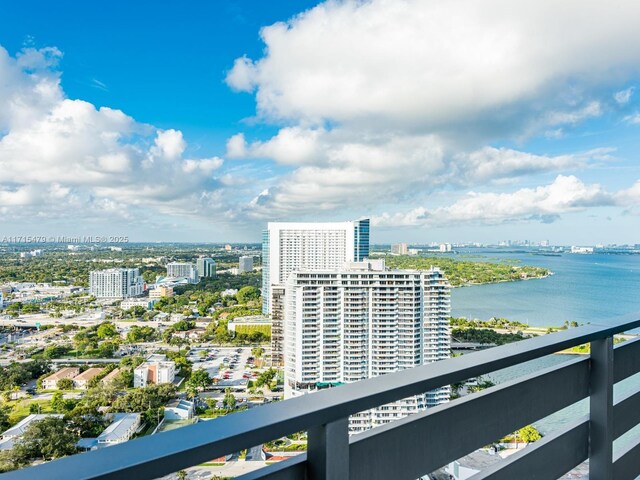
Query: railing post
x,y
601,410
328,451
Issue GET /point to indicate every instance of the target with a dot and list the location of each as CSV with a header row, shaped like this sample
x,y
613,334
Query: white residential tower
x,y
116,283
309,246
363,321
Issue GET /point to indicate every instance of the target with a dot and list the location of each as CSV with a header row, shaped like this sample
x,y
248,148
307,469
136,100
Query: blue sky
x,y
440,121
159,62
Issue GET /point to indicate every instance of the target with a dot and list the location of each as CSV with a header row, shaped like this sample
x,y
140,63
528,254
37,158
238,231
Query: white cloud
x,y
206,166
389,101
291,146
169,145
38,59
494,164
21,196
237,146
592,109
633,119
623,96
630,198
565,194
437,64
339,171
66,157
241,76
336,168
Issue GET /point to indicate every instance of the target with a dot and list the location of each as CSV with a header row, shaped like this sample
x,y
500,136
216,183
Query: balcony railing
x,y
421,443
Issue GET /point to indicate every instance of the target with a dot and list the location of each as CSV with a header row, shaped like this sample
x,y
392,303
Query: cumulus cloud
x,y
336,167
241,77
237,146
389,101
630,198
436,64
495,164
62,155
546,203
169,145
339,171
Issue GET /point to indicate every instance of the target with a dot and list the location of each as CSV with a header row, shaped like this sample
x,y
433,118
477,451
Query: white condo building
x,y
309,246
154,372
363,321
183,270
400,249
245,264
116,283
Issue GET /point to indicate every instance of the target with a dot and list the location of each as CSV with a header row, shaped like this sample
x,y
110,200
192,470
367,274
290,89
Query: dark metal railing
x,y
421,443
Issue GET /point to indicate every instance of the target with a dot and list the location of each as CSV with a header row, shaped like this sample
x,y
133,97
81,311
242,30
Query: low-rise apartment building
x,y
82,381
154,372
110,377
51,382
121,429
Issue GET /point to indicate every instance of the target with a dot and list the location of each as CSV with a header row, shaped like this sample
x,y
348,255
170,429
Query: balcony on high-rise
x,y
421,443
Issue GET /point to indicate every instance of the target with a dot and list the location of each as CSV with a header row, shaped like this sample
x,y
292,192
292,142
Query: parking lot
x,y
226,364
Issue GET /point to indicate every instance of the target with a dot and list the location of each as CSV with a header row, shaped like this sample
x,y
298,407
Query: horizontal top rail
x,y
157,455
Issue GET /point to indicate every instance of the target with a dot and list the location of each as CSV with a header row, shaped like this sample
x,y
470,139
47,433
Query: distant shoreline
x,y
474,284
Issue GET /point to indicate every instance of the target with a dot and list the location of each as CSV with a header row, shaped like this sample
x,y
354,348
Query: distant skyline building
x,y
400,249
116,283
183,270
363,321
206,267
289,246
445,248
245,264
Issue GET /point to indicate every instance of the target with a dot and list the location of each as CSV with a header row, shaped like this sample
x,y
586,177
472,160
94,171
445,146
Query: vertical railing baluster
x,y
328,451
601,410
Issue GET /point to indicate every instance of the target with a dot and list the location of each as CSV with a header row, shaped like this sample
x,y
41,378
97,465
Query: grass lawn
x,y
20,408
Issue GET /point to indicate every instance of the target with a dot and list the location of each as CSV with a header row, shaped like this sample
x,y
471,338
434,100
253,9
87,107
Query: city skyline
x,y
205,124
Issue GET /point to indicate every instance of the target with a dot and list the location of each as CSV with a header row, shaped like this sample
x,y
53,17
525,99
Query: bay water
x,y
593,288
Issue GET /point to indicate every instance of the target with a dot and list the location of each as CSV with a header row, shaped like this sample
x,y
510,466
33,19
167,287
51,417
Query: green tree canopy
x,y
106,330
4,418
199,380
141,334
229,400
247,294
48,438
264,379
64,384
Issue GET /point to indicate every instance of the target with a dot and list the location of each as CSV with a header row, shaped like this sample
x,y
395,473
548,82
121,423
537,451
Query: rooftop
x,y
121,424
18,429
89,374
180,403
111,375
62,373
